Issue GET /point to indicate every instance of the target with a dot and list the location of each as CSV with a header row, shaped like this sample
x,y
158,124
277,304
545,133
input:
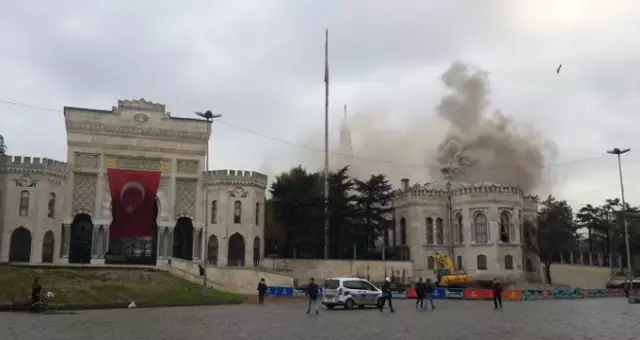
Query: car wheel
x,y
349,304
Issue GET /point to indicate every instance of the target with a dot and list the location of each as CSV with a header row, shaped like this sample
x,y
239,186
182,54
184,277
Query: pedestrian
x,y
420,292
386,295
262,289
36,288
496,287
312,296
429,290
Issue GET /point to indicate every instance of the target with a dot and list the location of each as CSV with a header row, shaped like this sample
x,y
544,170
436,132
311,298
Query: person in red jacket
x,y
496,287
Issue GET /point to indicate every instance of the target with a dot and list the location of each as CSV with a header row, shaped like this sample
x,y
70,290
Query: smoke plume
x,y
461,140
486,148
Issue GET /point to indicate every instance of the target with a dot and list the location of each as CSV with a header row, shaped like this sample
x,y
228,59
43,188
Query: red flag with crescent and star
x,y
133,195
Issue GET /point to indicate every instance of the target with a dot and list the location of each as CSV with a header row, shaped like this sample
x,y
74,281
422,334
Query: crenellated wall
x,y
24,163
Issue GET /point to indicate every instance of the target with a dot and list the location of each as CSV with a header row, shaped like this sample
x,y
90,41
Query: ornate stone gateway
x,y
81,239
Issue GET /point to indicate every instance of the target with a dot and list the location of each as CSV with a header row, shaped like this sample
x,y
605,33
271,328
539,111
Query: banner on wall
x,y
478,294
512,295
454,293
534,294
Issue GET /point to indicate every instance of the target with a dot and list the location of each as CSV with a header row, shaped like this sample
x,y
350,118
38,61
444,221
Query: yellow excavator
x,y
447,275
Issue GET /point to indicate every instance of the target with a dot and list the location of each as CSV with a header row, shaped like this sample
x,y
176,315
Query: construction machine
x,y
448,276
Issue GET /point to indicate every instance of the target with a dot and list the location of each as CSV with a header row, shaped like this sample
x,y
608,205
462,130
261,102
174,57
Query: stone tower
x,y
345,149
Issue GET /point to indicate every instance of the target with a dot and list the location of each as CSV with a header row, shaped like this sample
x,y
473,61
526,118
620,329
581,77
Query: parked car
x,y
350,292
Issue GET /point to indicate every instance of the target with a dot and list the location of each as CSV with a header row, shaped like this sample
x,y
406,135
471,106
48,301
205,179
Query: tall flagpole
x,y
326,144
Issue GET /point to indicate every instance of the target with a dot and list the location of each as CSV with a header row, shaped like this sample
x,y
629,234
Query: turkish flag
x,y
133,195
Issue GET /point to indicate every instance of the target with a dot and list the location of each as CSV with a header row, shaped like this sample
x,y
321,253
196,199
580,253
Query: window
x,y
505,227
214,211
480,228
52,206
508,262
331,284
481,262
354,284
237,212
528,265
367,285
257,213
24,203
459,227
431,263
439,231
528,230
403,231
459,266
429,230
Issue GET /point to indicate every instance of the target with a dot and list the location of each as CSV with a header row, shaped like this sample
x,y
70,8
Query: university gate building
x,y
61,212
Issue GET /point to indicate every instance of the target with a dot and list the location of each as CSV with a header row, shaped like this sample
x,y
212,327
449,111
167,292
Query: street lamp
x,y
209,116
619,152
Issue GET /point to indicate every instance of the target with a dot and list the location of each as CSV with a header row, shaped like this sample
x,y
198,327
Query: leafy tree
x,y
341,213
297,204
555,232
3,146
373,209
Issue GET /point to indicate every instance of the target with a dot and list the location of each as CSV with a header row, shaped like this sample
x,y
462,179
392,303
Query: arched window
x,y
481,262
528,229
439,231
257,213
429,230
237,212
431,263
403,231
528,265
24,203
505,227
480,227
508,262
214,212
459,229
52,206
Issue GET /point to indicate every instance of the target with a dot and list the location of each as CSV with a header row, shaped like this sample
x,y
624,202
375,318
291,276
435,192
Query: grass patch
x,y
93,287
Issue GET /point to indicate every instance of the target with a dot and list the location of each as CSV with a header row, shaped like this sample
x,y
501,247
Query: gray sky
x,y
260,63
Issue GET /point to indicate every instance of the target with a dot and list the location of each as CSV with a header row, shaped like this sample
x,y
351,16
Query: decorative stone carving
x,y
238,192
185,204
133,163
140,104
106,201
85,160
187,166
26,181
163,197
84,193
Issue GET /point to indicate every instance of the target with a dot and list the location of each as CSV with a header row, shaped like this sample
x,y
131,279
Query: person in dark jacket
x,y
386,295
420,292
36,289
429,290
496,287
312,296
262,289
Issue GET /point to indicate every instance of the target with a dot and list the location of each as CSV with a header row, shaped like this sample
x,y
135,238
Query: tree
x,y
588,217
297,209
3,146
341,213
554,234
373,206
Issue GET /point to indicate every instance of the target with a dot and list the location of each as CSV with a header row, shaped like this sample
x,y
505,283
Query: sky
x,y
261,64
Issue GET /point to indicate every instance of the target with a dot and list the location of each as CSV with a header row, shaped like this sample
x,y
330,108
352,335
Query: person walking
x,y
429,290
262,289
420,292
312,296
496,287
386,295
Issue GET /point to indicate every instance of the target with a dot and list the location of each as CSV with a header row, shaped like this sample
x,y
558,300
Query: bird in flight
x,y
558,69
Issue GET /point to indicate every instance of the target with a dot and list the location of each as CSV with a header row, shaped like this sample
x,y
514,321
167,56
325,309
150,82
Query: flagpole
x,y
326,144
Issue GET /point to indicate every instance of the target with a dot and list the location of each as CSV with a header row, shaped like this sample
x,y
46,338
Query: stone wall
x,y
579,276
303,269
236,280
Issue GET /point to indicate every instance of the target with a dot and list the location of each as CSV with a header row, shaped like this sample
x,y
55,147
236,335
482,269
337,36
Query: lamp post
x,y
209,116
618,153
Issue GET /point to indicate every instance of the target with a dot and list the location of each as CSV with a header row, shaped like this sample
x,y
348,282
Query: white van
x,y
350,292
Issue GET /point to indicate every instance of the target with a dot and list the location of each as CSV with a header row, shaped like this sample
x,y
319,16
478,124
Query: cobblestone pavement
x,y
605,319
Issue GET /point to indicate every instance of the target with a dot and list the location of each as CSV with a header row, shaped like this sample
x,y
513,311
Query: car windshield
x,y
331,284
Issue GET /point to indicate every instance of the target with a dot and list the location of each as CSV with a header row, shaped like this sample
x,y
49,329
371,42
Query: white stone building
x,y
53,211
481,229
